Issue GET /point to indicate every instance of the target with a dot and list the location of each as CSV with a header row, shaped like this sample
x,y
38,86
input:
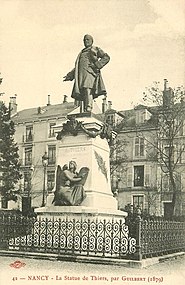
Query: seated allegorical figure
x,y
69,190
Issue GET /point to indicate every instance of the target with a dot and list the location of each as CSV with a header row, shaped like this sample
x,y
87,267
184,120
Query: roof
x,y
141,107
44,112
129,121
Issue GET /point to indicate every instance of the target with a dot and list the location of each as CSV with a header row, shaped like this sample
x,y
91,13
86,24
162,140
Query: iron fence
x,y
137,239
14,225
161,237
156,237
65,236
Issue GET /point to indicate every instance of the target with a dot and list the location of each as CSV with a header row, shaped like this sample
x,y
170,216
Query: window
x,y
27,181
110,119
28,156
140,116
51,154
50,180
139,175
138,201
51,130
29,133
169,154
167,185
139,146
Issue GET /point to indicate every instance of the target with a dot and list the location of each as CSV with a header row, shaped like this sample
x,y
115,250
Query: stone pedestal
x,y
88,150
94,154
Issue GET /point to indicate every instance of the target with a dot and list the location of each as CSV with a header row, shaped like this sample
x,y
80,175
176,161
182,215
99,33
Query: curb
x,y
91,259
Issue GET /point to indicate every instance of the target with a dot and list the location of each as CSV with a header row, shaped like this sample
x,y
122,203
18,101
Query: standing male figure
x,y
88,82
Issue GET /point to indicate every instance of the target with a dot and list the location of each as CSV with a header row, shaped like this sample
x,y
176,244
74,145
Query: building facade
x,y
35,137
143,178
139,176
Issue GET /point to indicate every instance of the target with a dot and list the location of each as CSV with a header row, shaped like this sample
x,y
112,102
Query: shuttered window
x,y
129,177
139,147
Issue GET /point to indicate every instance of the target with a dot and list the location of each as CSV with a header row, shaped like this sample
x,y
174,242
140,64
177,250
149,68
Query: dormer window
x,y
142,115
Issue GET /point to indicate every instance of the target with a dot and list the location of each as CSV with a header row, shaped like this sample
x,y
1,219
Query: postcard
x,y
69,70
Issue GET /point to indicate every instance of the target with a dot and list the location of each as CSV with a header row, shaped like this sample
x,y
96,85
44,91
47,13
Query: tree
x,y
118,157
167,140
9,158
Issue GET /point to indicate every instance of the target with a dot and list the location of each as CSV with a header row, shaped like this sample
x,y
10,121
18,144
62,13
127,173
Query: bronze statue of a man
x,y
88,82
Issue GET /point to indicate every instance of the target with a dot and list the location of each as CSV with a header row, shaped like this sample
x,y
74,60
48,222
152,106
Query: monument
x,y
88,82
83,189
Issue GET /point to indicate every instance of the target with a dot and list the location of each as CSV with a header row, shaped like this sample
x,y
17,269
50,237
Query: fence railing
x,y
14,225
137,239
64,236
156,237
161,237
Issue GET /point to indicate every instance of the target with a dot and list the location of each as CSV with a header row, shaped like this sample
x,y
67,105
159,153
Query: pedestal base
x,y
79,212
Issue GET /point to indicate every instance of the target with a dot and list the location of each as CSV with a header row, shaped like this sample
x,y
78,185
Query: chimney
x,y
39,110
104,105
109,105
168,95
49,103
13,105
165,84
65,99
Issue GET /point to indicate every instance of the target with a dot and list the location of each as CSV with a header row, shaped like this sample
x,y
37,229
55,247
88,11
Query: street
x,y
169,272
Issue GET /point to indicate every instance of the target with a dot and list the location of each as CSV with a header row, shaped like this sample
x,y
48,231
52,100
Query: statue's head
x,y
72,165
65,167
88,41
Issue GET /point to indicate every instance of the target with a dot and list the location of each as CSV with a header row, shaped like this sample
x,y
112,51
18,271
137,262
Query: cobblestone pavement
x,y
46,272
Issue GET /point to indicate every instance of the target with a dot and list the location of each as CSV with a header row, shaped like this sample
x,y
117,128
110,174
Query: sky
x,y
40,40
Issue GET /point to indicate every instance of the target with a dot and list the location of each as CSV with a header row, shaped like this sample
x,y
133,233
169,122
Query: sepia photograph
x,y
92,142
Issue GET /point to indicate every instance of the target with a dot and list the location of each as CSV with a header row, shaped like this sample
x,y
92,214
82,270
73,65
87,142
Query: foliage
x,y
9,158
117,154
118,157
133,214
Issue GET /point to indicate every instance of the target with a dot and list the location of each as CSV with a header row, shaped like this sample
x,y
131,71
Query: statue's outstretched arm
x,y
70,76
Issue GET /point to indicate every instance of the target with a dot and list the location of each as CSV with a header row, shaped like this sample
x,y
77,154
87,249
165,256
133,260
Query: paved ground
x,y
169,272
